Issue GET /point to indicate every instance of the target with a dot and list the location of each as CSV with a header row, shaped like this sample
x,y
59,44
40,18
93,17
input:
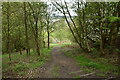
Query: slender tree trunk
x,y
20,52
37,43
48,39
8,32
48,27
35,32
38,49
48,32
80,25
63,11
72,20
101,34
26,30
85,30
72,31
20,48
43,41
101,41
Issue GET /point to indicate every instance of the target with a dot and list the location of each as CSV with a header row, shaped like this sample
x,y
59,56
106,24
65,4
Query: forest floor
x,y
20,65
62,66
60,61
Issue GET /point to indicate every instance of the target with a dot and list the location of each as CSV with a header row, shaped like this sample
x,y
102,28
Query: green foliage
x,y
62,31
91,63
87,70
105,28
36,64
15,17
53,45
89,21
77,77
21,73
55,71
21,63
94,51
117,50
65,44
113,19
68,53
96,45
21,66
101,74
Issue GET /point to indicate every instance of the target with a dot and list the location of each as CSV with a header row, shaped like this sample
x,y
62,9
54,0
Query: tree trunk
x,y
48,39
85,30
35,31
101,34
101,41
20,52
72,31
36,37
8,32
38,51
26,30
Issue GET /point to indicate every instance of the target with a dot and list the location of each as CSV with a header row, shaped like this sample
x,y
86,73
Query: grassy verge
x,y
53,45
61,45
20,64
89,64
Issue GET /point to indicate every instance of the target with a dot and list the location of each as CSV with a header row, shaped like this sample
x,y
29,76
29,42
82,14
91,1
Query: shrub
x,y
20,67
91,65
96,44
94,51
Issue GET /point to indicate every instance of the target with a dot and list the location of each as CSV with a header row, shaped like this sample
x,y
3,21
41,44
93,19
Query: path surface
x,y
60,66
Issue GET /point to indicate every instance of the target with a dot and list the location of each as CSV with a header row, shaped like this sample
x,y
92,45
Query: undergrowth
x,y
20,64
90,63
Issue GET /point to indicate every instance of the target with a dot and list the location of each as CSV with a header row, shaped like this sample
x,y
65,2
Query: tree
x,y
89,26
8,29
26,30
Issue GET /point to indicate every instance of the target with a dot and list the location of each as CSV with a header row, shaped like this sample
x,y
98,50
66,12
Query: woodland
x,y
33,39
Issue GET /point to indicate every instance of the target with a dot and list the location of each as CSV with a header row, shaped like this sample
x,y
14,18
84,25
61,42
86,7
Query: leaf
x,y
113,19
105,28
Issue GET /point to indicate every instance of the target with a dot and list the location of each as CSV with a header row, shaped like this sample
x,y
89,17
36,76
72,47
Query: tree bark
x,y
26,30
20,52
36,30
36,37
48,39
101,34
63,11
8,31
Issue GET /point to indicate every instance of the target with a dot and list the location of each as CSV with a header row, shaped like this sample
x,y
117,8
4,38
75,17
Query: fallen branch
x,y
87,74
108,78
76,72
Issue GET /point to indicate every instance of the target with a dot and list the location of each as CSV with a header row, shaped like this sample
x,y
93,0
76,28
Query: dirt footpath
x,y
61,66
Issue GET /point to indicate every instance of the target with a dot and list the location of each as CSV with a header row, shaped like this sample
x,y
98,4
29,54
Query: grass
x,y
90,63
65,44
61,45
21,63
87,70
86,62
77,77
21,73
53,45
101,74
55,71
